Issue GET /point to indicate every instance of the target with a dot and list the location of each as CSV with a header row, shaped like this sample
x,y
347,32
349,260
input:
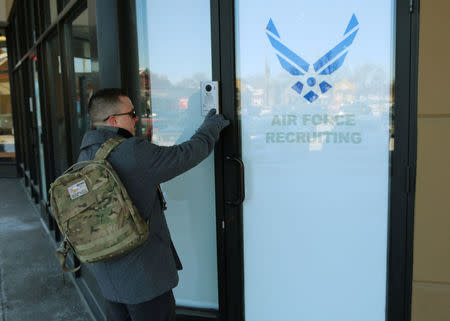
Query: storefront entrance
x,y
304,211
293,216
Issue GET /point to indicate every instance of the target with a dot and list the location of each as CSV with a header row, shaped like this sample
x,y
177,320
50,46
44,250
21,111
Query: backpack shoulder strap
x,y
61,254
107,147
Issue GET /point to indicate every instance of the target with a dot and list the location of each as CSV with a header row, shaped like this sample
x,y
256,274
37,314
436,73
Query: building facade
x,y
306,208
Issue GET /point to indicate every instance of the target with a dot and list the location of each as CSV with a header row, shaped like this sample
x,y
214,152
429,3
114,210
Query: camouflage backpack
x,y
94,212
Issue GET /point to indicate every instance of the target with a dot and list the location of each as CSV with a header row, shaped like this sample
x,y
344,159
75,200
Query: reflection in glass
x,y
314,89
63,3
58,117
53,10
7,150
39,128
174,56
85,80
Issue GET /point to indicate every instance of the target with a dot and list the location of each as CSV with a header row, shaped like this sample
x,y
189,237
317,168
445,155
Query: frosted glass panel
x,y
314,86
174,56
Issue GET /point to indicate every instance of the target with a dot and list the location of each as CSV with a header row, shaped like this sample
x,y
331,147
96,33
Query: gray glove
x,y
215,121
209,130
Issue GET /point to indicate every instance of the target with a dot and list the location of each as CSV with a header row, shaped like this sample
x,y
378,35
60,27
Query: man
x,y
138,285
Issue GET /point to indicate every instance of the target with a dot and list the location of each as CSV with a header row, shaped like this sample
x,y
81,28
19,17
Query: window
x,y
84,77
7,150
55,97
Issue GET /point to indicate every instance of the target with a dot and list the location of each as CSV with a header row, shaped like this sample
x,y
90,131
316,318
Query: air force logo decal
x,y
323,68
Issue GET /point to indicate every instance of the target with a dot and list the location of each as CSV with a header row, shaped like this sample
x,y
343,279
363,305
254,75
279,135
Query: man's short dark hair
x,y
103,103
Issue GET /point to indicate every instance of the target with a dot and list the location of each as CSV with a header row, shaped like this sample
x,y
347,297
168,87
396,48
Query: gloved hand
x,y
216,120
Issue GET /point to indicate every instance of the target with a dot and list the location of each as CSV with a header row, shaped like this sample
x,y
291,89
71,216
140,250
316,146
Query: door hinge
x,y
411,6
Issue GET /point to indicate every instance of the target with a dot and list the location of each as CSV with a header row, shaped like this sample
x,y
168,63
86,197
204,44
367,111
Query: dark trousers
x,y
161,308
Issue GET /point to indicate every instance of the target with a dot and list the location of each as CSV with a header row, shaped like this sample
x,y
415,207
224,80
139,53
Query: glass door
x,y
174,57
314,84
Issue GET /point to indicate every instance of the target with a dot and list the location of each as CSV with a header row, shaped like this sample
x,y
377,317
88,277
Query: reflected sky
x,y
317,170
174,56
311,28
172,43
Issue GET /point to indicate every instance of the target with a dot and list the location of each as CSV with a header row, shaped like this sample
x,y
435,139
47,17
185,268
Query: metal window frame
x,y
231,270
403,163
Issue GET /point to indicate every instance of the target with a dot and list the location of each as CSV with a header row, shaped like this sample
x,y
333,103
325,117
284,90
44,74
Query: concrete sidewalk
x,y
31,282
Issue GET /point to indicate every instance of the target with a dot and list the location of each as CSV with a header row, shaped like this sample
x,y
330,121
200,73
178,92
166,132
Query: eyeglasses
x,y
132,114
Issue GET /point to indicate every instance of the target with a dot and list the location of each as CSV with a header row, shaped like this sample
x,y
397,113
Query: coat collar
x,y
102,134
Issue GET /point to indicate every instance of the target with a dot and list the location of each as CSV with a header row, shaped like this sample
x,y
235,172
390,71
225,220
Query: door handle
x,y
241,167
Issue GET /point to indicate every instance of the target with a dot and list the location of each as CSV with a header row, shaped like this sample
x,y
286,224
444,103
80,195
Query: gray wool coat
x,y
151,269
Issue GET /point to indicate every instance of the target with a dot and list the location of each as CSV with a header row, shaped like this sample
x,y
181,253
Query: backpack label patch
x,y
77,190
